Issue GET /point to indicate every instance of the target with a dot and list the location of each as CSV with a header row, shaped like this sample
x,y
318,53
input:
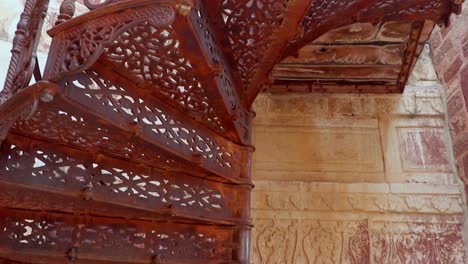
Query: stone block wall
x,y
348,178
450,57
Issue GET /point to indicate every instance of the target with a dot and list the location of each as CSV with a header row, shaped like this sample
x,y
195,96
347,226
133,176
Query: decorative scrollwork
x,y
77,48
91,4
153,56
84,47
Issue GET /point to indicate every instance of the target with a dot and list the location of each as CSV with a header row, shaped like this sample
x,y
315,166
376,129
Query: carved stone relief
x,y
355,179
310,241
356,241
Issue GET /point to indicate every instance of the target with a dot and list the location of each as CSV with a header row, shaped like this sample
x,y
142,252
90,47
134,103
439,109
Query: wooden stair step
x,y
71,180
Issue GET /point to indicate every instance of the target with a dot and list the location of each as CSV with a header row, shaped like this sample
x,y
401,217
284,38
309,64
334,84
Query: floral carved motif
x,y
86,45
365,241
418,243
310,241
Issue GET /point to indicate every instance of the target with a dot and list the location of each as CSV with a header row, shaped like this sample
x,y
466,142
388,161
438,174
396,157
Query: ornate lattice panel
x,y
64,122
104,240
155,47
248,28
70,172
154,120
60,123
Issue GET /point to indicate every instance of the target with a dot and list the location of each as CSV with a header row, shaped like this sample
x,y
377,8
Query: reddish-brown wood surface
x,y
136,146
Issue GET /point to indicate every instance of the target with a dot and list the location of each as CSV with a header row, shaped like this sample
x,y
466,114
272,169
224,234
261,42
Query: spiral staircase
x,y
134,146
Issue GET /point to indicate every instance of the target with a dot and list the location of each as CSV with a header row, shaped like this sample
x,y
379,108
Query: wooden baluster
x,y
67,10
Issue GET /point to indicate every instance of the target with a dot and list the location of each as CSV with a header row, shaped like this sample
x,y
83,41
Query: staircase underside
x,y
361,57
135,147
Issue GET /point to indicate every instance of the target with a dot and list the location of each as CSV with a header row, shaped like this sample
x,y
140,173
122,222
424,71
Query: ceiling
x,y
361,57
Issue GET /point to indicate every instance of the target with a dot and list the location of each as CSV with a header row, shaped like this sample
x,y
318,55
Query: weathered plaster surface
x,y
344,178
450,58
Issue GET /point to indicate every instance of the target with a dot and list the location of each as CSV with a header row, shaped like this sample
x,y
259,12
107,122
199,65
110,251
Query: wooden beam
x,y
348,54
330,87
337,72
373,11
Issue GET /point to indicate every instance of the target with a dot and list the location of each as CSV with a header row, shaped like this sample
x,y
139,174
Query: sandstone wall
x,y
450,57
356,178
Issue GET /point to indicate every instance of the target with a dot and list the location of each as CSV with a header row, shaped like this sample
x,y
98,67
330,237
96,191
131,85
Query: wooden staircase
x,y
135,147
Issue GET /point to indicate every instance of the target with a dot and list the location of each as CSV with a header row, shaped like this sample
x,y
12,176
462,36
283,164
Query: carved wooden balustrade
x,y
135,147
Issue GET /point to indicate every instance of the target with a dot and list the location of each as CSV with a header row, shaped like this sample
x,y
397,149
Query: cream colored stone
x,y
326,162
317,149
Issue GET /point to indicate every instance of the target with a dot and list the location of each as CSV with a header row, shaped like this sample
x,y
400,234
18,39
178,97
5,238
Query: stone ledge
x,y
382,198
415,101
332,187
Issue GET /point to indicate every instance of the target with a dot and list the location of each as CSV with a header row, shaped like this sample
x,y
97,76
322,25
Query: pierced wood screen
x,y
136,145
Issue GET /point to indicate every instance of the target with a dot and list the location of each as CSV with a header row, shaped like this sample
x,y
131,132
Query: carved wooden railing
x,y
23,60
135,148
